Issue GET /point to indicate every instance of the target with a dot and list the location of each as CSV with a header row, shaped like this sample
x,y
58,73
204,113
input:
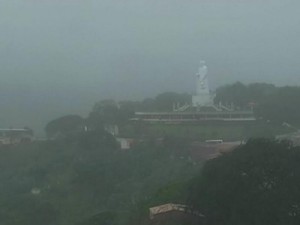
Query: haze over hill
x,y
59,57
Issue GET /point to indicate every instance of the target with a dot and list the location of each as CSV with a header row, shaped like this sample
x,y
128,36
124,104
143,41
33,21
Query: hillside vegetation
x,y
80,176
78,180
257,184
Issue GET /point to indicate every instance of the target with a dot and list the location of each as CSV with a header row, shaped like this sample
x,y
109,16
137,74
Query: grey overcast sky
x,y
61,56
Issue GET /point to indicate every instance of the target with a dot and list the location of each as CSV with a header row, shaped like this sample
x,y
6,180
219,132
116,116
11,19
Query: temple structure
x,y
201,109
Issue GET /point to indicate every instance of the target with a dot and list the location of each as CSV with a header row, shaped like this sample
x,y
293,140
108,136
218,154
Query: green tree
x,y
108,112
105,218
281,106
258,91
256,184
241,95
147,105
236,94
64,125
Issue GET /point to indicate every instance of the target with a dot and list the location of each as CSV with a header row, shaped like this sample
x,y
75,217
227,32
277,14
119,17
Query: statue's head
x,y
202,63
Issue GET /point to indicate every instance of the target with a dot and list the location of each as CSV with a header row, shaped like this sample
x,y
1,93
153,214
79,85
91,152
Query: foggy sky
x,y
61,56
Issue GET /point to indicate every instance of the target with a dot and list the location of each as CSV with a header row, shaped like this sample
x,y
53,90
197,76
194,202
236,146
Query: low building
x,y
167,213
294,138
125,143
15,136
194,117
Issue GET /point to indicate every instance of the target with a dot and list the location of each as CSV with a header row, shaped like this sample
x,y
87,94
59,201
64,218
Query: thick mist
x,y
60,57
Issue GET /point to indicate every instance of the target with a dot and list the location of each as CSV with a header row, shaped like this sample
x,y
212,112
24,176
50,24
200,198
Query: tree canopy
x,y
257,184
282,106
241,95
64,125
276,104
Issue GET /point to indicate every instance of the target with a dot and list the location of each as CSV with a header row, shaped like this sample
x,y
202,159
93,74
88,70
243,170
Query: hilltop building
x,y
202,108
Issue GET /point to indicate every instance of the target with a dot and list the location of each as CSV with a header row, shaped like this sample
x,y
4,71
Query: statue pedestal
x,y
202,100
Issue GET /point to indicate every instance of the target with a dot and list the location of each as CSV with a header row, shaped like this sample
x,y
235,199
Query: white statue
x,y
202,81
203,96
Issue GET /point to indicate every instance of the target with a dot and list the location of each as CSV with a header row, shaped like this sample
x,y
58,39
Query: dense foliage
x,y
64,125
240,95
282,106
81,177
256,184
87,179
275,104
162,102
